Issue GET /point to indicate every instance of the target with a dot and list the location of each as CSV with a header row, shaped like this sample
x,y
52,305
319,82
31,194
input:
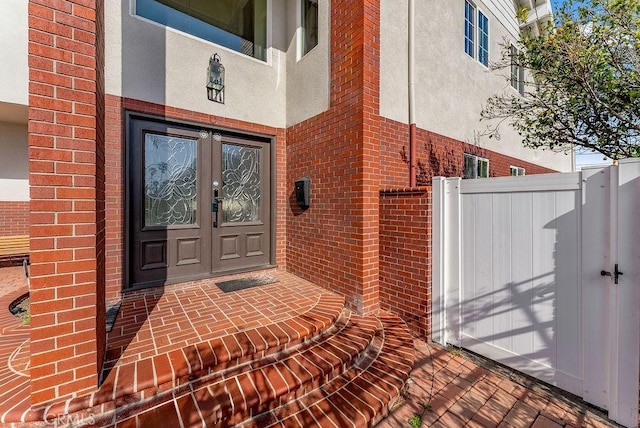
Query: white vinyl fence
x,y
524,273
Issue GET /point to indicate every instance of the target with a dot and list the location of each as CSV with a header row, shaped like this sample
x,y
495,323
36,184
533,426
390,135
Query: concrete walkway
x,y
456,389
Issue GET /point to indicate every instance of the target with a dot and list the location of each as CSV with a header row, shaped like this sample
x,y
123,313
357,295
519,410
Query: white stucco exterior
x,y
14,162
14,73
308,77
451,86
151,62
14,98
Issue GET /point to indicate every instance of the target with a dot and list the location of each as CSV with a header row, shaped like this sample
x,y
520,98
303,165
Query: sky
x,y
556,3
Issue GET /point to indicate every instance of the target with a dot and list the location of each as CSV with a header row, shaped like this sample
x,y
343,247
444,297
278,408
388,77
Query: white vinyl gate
x,y
524,273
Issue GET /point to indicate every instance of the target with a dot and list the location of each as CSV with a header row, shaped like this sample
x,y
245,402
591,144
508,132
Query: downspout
x,y
412,94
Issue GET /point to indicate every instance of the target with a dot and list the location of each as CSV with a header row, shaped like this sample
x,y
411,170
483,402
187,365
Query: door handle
x,y
616,273
214,207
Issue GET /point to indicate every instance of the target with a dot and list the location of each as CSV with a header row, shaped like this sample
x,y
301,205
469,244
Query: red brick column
x,y
335,242
66,173
405,256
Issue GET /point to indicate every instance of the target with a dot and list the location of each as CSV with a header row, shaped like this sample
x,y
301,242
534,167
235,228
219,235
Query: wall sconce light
x,y
215,80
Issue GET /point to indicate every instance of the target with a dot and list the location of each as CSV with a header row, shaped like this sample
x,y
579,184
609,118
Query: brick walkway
x,y
14,341
157,321
192,353
12,279
447,390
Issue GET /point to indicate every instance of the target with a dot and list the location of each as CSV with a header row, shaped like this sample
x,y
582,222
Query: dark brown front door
x,y
242,228
199,203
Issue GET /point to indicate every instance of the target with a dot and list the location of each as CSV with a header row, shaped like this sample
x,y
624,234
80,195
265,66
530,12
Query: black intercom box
x,y
303,192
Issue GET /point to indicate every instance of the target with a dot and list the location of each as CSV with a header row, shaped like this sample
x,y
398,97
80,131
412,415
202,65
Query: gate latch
x,y
616,273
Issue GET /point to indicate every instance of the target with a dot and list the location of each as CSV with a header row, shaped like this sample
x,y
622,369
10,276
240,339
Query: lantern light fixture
x,y
215,80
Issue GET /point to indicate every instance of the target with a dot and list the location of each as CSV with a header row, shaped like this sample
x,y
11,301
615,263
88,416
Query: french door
x,y
199,203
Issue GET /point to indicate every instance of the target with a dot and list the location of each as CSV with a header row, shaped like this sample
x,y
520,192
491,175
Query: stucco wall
x,y
307,77
151,62
14,162
14,73
451,87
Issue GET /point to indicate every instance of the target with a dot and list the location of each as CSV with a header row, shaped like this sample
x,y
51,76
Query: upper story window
x,y
516,170
475,167
469,29
483,39
309,25
237,25
476,27
517,72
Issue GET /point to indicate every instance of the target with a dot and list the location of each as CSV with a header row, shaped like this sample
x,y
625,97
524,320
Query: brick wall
x,y
14,218
394,153
437,155
100,183
114,198
65,155
335,242
405,256
115,135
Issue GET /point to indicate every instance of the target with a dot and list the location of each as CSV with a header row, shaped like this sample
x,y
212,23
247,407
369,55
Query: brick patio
x,y
147,356
193,353
465,390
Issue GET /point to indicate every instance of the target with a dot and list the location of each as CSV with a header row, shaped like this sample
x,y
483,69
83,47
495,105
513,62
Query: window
x,y
240,26
517,72
475,167
483,39
309,25
516,171
473,32
469,29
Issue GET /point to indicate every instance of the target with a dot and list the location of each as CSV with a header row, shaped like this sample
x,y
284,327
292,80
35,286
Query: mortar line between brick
x,y
213,303
186,315
17,406
177,410
153,336
197,405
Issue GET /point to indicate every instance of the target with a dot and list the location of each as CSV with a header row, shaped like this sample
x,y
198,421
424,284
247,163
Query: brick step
x,y
237,395
149,380
312,386
348,376
359,397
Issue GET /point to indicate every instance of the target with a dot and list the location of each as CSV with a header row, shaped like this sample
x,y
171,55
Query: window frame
x,y
477,168
519,171
477,36
303,49
470,29
517,72
483,39
266,59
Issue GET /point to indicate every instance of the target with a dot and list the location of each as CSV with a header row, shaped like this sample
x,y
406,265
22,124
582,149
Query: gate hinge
x,y
616,273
